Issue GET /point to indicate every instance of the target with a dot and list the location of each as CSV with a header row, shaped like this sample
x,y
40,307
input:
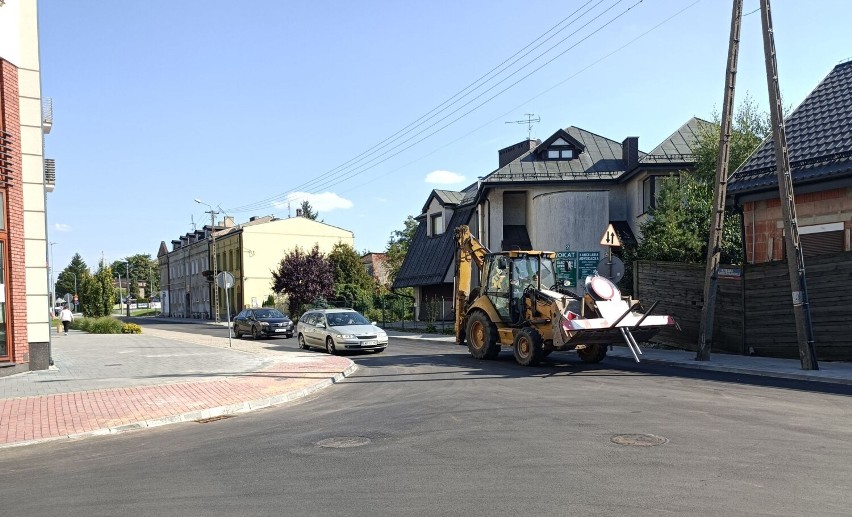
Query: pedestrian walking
x,y
67,317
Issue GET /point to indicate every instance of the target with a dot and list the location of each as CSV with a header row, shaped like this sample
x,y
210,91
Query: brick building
x,y
24,296
819,141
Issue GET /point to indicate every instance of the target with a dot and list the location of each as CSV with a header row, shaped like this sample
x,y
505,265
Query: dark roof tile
x,y
819,139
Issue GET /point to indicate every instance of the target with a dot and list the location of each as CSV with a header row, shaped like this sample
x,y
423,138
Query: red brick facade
x,y
763,220
16,301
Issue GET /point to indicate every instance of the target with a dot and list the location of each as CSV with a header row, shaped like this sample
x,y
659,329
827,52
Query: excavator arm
x,y
469,251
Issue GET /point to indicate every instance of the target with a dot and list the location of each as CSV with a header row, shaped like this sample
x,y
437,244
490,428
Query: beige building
x,y
249,251
24,183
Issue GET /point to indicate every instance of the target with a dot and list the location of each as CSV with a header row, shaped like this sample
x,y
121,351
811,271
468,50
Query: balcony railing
x,y
49,174
46,114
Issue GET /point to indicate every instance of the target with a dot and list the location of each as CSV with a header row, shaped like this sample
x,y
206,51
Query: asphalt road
x,y
423,429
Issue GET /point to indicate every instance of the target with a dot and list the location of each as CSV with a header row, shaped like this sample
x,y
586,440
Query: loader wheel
x,y
592,353
482,336
528,347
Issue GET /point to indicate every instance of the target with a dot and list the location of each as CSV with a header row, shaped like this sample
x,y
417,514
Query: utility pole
x,y
127,296
213,250
795,260
714,246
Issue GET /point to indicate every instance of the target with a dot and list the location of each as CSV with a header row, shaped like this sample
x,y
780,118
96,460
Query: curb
x,y
192,416
738,370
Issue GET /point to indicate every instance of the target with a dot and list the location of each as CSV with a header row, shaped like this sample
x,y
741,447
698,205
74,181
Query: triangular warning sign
x,y
610,238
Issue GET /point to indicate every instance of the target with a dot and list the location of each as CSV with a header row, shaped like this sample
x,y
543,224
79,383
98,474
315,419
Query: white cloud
x,y
59,227
444,177
325,202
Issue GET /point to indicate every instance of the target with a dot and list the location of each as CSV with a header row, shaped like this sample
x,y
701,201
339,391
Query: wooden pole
x,y
795,260
717,223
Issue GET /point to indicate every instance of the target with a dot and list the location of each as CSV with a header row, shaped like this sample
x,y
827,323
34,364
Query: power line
x,y
577,14
444,105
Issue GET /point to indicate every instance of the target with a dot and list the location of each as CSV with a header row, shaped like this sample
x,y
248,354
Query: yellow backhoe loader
x,y
517,304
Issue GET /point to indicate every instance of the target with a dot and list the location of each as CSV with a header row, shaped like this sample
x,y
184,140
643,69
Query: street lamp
x,y
127,298
213,250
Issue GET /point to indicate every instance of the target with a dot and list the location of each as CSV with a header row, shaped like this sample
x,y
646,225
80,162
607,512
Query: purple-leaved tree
x,y
304,278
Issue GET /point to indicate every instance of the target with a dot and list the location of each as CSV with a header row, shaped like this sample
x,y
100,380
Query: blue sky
x,y
247,104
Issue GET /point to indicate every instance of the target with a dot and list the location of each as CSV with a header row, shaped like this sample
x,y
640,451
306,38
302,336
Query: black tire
x,y
528,347
288,336
329,346
482,336
380,350
302,343
237,333
255,333
592,353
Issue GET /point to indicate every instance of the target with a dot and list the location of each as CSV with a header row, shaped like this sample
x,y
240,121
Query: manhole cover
x,y
639,440
342,442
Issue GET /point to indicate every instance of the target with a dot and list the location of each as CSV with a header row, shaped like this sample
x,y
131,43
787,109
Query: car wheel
x,y
329,346
288,336
255,333
380,350
237,333
302,344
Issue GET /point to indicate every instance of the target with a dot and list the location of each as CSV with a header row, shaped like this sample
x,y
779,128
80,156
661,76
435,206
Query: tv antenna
x,y
531,119
192,222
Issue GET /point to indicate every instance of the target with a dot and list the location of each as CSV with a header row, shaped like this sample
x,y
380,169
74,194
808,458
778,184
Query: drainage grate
x,y
213,419
639,440
342,442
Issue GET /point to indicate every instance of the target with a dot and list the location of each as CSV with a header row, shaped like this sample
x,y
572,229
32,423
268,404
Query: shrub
x,y
103,325
131,328
374,315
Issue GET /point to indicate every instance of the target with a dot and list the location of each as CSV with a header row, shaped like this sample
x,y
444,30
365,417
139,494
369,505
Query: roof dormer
x,y
560,146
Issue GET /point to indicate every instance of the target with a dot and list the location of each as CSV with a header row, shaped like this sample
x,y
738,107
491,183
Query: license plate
x,y
368,343
280,330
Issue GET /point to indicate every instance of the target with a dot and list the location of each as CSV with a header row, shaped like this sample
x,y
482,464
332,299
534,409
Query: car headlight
x,y
347,336
264,323
381,334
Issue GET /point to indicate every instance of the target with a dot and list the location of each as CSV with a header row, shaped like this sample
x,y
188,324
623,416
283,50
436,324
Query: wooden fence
x,y
754,312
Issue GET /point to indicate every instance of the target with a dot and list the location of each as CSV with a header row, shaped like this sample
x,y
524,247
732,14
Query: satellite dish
x,y
612,268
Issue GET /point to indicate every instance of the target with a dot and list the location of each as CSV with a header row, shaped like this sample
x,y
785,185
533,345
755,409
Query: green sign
x,y
566,268
587,263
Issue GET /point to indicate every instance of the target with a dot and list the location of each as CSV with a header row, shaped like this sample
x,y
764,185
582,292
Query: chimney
x,y
630,152
508,154
298,212
228,221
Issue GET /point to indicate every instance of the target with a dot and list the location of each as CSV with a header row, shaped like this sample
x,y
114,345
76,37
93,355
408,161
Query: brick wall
x,y
764,232
16,303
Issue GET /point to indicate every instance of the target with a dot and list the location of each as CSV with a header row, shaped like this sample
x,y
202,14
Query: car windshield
x,y
269,313
338,319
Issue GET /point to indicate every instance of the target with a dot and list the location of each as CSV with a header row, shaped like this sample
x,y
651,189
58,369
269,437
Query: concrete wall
x,y
576,219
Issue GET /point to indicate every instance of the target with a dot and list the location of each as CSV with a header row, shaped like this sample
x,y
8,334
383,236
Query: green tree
x,y
143,270
679,226
98,292
65,281
308,210
348,268
304,278
398,245
351,280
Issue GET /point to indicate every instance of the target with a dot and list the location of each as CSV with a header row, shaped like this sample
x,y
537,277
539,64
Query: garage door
x,y
822,243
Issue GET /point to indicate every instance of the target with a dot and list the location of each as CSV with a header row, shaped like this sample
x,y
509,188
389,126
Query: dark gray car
x,y
263,322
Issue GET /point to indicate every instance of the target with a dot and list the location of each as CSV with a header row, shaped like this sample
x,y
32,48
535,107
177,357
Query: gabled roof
x,y
429,258
819,139
447,198
680,146
600,160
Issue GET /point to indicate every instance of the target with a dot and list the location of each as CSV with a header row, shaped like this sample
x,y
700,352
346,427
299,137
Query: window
x,y
560,154
651,187
436,224
649,193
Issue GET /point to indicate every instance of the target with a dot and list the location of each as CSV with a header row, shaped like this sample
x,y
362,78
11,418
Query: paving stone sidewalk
x,y
104,384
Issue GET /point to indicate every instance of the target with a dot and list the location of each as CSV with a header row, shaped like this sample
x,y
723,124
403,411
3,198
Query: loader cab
x,y
507,275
